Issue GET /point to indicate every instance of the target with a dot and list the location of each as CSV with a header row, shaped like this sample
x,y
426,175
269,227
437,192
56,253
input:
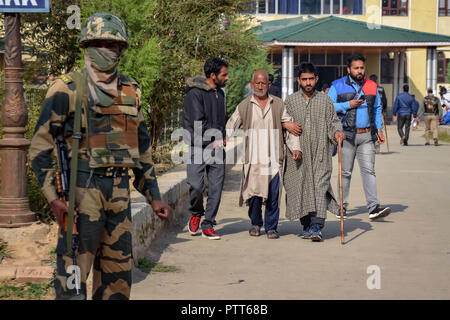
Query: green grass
x,y
443,136
4,251
28,291
147,266
52,258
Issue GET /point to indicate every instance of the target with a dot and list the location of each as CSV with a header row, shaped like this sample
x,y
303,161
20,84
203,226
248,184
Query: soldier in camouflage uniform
x,y
114,138
431,110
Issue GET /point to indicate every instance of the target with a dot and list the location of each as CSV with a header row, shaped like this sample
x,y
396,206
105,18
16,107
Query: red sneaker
x,y
193,224
210,234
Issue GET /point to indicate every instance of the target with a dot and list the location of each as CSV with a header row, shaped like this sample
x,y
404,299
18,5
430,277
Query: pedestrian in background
x,y
404,108
274,90
431,111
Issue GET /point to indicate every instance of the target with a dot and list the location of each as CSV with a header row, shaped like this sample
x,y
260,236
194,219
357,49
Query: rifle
x,y
62,188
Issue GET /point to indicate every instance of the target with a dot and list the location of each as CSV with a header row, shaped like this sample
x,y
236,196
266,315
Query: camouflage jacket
x,y
57,117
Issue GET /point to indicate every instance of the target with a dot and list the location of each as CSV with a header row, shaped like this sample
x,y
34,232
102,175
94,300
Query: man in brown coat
x,y
262,116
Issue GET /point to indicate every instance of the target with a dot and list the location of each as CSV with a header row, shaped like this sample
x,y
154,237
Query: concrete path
x,y
411,247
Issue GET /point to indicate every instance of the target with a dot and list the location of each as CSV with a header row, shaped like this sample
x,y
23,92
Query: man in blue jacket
x,y
358,105
404,107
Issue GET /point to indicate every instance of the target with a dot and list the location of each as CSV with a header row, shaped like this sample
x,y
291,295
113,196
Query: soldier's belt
x,y
83,165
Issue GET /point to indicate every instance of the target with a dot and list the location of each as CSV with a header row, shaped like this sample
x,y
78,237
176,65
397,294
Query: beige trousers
x,y
431,122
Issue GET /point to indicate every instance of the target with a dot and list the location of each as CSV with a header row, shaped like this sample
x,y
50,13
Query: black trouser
x,y
215,173
311,219
404,120
272,212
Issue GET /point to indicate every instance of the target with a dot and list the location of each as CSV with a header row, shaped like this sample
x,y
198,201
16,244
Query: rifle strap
x,y
80,85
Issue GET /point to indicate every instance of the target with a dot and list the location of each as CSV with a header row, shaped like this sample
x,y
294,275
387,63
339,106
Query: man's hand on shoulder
x,y
293,128
161,209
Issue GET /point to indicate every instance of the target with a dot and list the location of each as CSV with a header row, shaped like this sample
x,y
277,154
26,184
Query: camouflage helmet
x,y
103,26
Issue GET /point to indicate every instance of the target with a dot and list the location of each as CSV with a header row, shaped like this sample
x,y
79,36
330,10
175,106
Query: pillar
x,y
401,71
434,70
284,73
14,206
396,78
291,71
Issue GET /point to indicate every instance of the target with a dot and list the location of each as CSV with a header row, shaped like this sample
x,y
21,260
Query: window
x,y
395,7
334,58
339,7
444,7
387,69
351,7
275,58
329,65
288,6
317,58
310,6
442,66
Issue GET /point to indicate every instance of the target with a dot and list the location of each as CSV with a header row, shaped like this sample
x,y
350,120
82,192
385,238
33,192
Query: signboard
x,y
24,5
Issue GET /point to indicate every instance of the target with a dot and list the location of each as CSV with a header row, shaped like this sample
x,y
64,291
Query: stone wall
x,y
175,192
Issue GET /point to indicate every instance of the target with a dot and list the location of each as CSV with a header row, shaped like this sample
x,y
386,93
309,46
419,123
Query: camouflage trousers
x,y
104,226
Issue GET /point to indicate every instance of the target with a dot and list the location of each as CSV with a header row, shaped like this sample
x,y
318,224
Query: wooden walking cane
x,y
385,130
340,191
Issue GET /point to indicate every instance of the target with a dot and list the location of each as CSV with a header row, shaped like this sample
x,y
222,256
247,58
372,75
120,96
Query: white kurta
x,y
263,149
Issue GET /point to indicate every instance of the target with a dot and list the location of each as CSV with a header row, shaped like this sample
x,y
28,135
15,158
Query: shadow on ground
x,y
395,208
162,243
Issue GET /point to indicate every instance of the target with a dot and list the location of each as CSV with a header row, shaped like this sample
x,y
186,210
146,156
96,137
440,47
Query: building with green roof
x,y
404,42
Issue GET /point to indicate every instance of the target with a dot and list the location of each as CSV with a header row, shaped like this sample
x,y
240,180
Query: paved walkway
x,y
411,246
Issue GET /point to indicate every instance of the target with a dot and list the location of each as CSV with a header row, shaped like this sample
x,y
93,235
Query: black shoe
x,y
405,143
379,212
427,143
338,215
436,142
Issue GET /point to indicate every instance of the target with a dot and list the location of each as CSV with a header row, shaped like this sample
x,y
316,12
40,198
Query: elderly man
x,y
262,116
308,191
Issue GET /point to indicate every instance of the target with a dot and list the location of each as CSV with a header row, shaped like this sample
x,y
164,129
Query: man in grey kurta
x,y
262,116
307,182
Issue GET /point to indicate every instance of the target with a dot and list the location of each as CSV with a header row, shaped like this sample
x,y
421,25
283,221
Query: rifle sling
x,y
80,88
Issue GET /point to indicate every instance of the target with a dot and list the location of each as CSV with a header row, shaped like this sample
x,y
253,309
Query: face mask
x,y
103,59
